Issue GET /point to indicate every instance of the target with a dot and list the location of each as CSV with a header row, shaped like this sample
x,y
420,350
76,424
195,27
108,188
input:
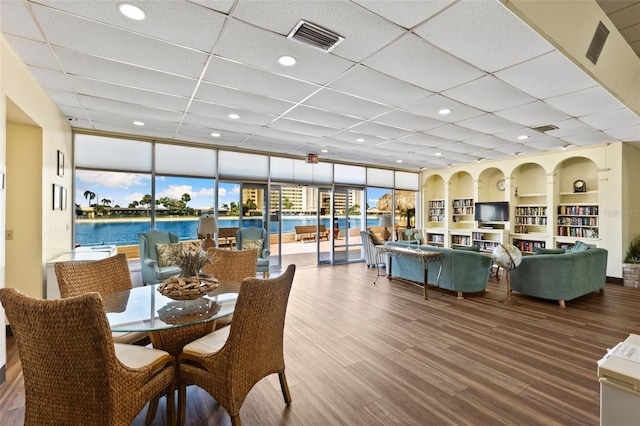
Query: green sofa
x,y
561,277
462,271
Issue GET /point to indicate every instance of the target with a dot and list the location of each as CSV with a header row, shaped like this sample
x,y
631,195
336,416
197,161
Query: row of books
x,y
578,210
569,231
578,221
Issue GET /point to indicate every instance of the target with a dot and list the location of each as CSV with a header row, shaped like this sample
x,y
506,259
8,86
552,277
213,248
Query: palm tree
x,y
146,201
105,201
90,195
186,198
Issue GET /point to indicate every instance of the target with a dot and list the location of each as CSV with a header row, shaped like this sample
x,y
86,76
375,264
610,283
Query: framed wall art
x,y
60,163
63,198
57,191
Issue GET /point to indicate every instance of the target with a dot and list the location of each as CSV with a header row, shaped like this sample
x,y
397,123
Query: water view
x,y
124,232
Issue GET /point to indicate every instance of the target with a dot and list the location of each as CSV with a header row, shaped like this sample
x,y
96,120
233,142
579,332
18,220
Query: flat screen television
x,y
497,211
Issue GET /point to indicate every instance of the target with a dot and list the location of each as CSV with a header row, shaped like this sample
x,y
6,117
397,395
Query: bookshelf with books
x,y
488,239
437,211
435,238
578,221
460,238
530,219
527,246
462,211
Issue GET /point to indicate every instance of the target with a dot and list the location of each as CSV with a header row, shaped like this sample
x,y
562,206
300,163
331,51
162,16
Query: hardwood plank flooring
x,y
364,354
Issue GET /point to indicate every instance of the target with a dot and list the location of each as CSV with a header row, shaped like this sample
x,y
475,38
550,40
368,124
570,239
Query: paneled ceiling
x,y
374,99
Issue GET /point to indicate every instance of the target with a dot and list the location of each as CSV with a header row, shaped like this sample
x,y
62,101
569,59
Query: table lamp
x,y
206,228
385,221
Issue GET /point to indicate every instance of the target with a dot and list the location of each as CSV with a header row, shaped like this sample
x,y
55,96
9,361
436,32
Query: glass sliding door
x,y
349,218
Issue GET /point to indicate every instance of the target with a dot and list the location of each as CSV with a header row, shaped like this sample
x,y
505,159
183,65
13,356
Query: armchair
x,y
152,272
253,237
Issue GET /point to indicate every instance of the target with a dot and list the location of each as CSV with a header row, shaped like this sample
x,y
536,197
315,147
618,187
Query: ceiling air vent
x,y
546,128
315,36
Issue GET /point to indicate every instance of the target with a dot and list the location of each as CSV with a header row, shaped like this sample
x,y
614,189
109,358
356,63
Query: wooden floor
x,y
364,354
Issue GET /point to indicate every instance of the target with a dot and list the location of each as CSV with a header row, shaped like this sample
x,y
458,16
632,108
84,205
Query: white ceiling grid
x,y
373,100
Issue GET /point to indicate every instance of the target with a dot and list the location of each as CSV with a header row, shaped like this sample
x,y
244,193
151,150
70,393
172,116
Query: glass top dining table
x,y
146,309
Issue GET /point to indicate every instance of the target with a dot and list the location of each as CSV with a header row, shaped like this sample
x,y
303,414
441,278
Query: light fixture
x,y
438,154
480,160
523,137
233,116
398,161
385,221
207,226
287,61
131,11
215,134
360,140
566,147
445,111
138,123
324,151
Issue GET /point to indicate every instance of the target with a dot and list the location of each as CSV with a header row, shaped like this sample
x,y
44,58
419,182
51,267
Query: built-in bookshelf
x,y
458,239
489,239
435,238
530,219
578,221
527,246
437,211
462,210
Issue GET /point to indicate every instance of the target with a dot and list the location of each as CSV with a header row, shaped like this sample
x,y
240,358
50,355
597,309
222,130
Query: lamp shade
x,y
385,221
207,225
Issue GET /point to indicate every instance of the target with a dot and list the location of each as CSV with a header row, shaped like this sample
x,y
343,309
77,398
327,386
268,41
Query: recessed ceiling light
x,y
215,134
523,137
324,150
445,111
437,154
131,11
138,123
360,140
233,116
566,147
480,160
287,61
398,161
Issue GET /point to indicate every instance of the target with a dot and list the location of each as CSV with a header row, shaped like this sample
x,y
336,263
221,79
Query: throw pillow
x,y
252,244
579,246
541,250
374,238
167,253
467,248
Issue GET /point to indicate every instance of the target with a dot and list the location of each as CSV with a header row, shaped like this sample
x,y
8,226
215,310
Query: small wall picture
x,y
60,163
63,198
57,191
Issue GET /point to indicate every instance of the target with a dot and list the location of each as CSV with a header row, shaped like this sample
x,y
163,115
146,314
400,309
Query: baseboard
x,y
615,280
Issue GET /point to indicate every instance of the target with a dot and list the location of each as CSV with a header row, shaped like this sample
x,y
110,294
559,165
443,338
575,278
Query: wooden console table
x,y
416,253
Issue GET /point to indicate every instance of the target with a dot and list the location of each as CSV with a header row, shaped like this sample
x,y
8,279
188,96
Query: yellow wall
x,y
18,89
24,208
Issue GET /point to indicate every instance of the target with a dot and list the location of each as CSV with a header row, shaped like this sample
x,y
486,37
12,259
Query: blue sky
x,y
123,188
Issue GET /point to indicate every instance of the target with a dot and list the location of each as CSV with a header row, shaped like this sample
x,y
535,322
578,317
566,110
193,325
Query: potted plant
x,y
631,265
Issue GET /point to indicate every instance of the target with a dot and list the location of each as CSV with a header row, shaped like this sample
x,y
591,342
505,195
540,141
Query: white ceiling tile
x,y
352,137
630,134
532,136
134,131
555,75
286,136
133,112
222,113
97,39
590,101
219,125
259,82
407,14
516,149
489,124
546,144
381,130
223,6
130,95
238,99
68,99
33,53
75,114
413,60
205,134
363,32
475,39
294,126
589,139
15,19
488,142
359,80
533,114
340,103
321,117
407,120
51,79
571,127
430,106
127,75
488,94
260,48
426,140
452,131
179,22
612,119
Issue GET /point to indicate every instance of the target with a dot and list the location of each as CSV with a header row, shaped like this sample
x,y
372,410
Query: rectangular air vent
x,y
315,36
546,128
597,43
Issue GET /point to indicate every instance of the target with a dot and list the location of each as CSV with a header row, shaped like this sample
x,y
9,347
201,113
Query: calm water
x,y
123,233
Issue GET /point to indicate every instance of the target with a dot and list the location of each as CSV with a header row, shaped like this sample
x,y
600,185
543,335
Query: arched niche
x,y
433,187
461,185
576,168
529,180
488,185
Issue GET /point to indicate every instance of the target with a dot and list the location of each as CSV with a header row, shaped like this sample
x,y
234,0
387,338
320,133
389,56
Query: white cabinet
x,y
80,254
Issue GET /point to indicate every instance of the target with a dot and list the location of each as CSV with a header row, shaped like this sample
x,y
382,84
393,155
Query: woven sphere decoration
x,y
507,256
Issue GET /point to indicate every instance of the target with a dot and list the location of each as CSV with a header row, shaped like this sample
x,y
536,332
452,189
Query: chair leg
x,y
182,403
235,420
151,411
265,274
285,388
171,406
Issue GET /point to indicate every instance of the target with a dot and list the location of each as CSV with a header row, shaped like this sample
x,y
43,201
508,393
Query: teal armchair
x,y
152,272
254,237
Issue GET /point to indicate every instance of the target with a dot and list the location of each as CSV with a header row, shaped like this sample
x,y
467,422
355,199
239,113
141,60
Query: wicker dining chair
x,y
73,371
230,361
105,276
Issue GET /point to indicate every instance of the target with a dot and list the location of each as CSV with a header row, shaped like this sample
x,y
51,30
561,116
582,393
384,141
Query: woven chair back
x,y
67,357
105,276
231,265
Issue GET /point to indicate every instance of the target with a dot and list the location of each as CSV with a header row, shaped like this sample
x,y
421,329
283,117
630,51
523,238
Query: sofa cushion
x,y
579,246
467,248
542,250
